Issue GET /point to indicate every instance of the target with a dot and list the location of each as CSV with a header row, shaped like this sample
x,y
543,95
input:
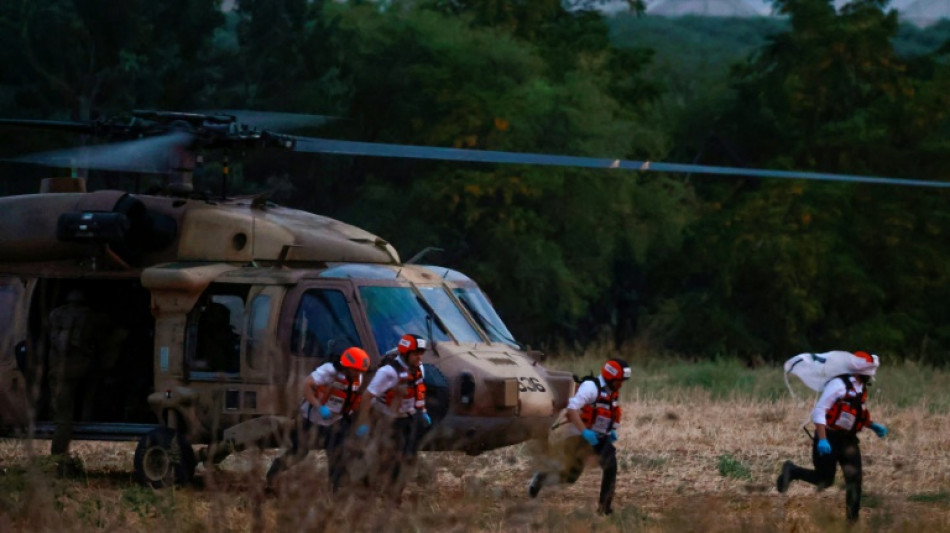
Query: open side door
x,y
17,363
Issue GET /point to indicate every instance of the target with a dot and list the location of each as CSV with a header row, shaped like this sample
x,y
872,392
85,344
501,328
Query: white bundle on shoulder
x,y
816,369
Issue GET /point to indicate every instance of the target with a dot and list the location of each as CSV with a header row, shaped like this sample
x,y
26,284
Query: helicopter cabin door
x,y
325,322
14,349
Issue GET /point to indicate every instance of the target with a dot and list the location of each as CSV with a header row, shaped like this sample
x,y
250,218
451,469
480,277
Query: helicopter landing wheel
x,y
164,458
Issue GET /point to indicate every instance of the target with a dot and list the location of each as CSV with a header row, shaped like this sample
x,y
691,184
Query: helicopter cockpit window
x,y
395,311
218,337
481,309
323,326
451,315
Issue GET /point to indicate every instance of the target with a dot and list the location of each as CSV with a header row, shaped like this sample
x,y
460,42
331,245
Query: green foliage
x,y
13,484
142,501
700,266
733,468
776,268
92,512
940,497
73,59
721,378
419,77
641,461
911,383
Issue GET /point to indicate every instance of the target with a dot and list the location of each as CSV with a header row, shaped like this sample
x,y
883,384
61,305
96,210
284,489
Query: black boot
x,y
785,478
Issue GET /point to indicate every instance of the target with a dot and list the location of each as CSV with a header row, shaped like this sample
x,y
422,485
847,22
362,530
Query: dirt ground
x,y
688,465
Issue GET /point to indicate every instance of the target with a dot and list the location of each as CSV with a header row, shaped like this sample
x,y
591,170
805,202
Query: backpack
x,y
562,416
388,358
588,377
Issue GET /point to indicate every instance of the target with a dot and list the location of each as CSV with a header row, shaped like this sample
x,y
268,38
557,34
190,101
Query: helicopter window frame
x,y
387,318
343,332
258,322
477,304
11,291
233,298
388,321
445,306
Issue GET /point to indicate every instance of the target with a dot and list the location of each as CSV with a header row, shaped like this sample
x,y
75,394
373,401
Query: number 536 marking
x,y
526,384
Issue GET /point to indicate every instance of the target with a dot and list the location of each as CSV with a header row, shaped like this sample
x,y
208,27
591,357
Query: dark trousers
x,y
573,452
845,451
69,396
402,448
309,436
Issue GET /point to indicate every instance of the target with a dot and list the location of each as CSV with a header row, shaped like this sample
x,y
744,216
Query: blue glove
x,y
878,429
362,430
590,436
613,436
427,418
823,447
325,412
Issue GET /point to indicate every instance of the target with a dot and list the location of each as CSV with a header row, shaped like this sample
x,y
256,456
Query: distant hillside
x,y
693,53
695,49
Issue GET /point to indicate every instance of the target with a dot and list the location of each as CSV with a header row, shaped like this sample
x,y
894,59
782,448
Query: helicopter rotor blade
x,y
355,148
67,125
155,155
272,120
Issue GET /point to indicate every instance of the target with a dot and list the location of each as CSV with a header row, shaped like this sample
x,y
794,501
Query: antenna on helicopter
x,y
425,251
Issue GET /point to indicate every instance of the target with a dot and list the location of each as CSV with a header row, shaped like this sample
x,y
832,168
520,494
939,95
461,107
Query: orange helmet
x,y
410,343
615,369
355,358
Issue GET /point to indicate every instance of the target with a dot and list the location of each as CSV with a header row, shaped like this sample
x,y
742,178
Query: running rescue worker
x,y
840,413
592,421
397,394
331,398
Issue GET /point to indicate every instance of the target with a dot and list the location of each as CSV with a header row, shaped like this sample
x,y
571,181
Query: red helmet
x,y
410,343
615,369
355,358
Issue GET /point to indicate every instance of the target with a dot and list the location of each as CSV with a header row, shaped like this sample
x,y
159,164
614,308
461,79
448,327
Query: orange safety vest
x,y
849,413
409,393
341,396
602,415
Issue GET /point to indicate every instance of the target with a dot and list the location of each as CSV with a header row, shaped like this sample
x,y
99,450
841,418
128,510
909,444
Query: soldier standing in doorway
x,y
74,330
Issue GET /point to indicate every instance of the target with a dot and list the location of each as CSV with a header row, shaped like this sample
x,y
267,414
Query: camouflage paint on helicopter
x,y
297,288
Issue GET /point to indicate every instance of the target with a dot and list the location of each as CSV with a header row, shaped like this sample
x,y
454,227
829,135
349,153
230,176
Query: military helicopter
x,y
290,289
294,289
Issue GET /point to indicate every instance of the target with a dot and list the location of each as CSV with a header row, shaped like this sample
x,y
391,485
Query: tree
x,y
786,266
75,58
541,240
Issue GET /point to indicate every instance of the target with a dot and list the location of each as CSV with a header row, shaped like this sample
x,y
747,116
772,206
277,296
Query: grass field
x,y
699,450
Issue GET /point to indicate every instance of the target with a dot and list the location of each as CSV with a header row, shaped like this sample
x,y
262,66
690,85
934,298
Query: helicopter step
x,y
110,431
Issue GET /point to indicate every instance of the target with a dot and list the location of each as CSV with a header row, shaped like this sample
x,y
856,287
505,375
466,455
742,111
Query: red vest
x,y
410,393
850,412
604,413
342,396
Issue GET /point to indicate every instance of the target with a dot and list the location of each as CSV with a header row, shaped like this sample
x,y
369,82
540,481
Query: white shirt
x,y
385,379
586,394
323,376
833,391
